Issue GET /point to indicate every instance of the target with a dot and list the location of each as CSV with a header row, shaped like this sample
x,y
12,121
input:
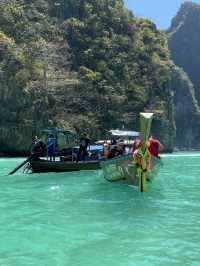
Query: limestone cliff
x,y
184,42
186,110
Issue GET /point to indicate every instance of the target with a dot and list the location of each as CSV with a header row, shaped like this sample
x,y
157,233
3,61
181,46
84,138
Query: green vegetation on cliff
x,y
88,65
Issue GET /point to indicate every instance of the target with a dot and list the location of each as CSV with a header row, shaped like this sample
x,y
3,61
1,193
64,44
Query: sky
x,y
159,11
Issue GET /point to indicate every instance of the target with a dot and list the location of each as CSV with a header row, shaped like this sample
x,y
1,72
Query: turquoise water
x,y
79,219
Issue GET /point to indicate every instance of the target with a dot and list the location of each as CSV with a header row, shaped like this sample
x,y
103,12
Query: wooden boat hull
x,y
124,168
44,166
119,168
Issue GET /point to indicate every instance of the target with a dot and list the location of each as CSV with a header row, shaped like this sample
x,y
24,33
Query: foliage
x,y
85,64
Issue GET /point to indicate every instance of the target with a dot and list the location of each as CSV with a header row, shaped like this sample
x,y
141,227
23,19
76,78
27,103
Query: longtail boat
x,y
64,157
41,165
124,168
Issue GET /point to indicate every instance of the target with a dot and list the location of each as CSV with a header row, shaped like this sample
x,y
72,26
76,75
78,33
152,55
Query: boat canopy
x,y
124,133
65,138
56,131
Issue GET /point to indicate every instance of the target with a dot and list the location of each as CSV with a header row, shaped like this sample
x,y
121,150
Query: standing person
x,y
34,144
154,147
84,144
38,146
51,146
35,140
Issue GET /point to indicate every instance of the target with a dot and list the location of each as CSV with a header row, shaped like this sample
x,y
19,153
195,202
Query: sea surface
x,y
79,219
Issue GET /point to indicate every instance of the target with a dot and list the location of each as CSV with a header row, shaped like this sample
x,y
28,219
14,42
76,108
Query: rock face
x,y
184,42
186,110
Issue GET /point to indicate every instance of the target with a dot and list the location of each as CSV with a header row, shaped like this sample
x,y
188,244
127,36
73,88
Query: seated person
x,y
137,154
115,151
113,141
128,149
68,154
